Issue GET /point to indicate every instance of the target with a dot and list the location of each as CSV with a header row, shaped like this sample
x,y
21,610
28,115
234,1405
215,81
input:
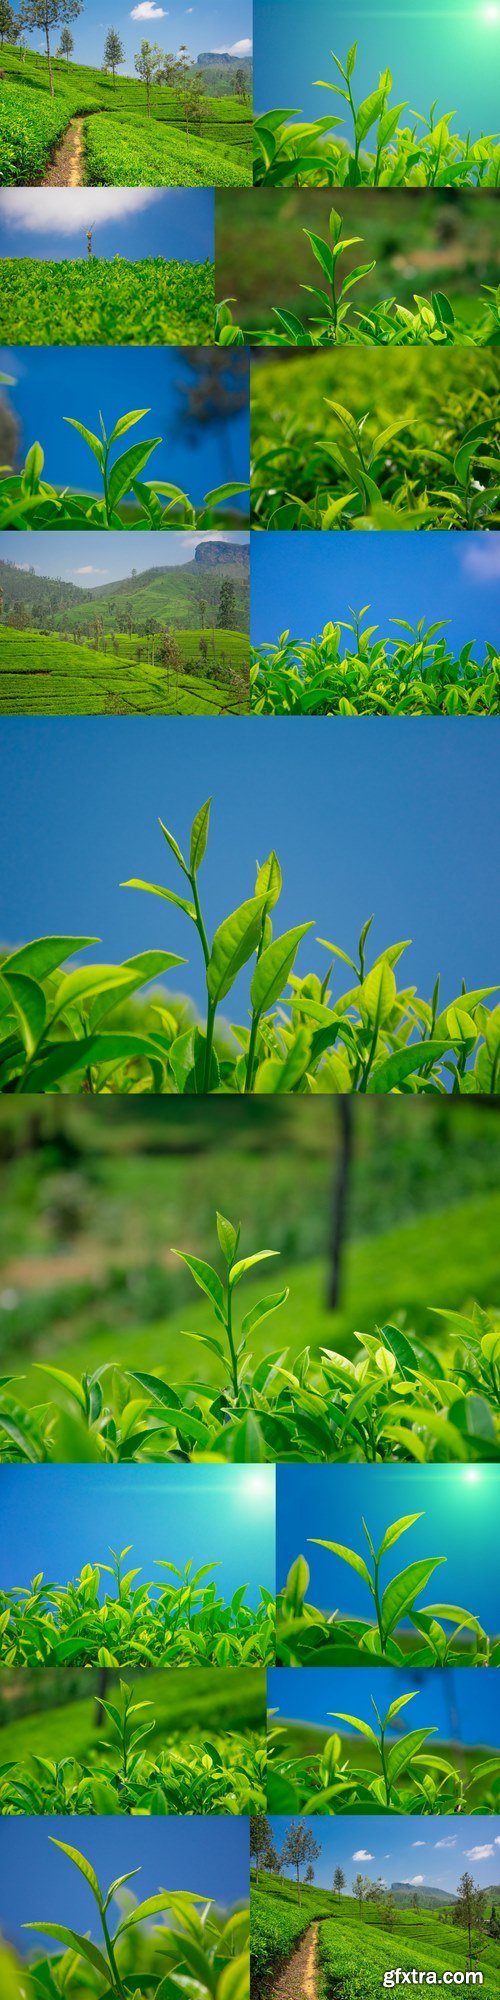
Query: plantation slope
x,y
354,1952
32,124
47,675
106,301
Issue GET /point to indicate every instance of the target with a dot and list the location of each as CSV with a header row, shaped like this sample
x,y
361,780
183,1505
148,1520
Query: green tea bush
x,y
154,302
405,1774
198,1948
132,154
27,500
222,1773
418,153
307,1636
371,1038
29,127
376,441
353,1957
340,321
364,675
276,1926
397,1401
179,1624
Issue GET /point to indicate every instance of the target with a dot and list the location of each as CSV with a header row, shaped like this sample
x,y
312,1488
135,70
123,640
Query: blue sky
x,y
458,1507
208,1857
74,1514
89,560
359,1846
441,51
54,382
439,576
203,27
397,819
462,1705
127,222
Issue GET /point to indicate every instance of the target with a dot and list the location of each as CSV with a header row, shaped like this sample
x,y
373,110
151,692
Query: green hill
x,y
356,1944
123,146
182,595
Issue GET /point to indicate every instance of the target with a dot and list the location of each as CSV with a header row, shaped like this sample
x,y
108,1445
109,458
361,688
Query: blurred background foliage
x,y
380,1209
56,1712
423,240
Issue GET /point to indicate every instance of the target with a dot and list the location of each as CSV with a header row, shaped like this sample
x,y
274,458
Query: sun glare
x,y
491,13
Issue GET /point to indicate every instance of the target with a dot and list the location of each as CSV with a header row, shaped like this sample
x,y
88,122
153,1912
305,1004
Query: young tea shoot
x,y
377,143
28,501
307,1636
342,320
299,1036
198,1946
407,1774
396,1401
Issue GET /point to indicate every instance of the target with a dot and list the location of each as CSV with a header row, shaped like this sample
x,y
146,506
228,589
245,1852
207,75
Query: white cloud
x,y
363,1855
482,560
479,1853
497,1840
63,210
450,1841
413,1881
89,569
236,49
419,1843
146,11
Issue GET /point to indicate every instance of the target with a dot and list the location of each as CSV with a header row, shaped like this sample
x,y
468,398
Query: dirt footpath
x,y
299,1980
66,169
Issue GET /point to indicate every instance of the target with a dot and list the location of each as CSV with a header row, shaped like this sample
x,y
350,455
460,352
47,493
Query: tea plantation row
x,y
105,301
49,675
124,147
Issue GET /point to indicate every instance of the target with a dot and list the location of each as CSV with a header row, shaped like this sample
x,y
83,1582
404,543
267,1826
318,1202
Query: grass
x,y
74,301
51,675
122,146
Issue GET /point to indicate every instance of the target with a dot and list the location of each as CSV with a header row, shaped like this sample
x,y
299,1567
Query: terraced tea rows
x,y
353,1960
49,675
125,147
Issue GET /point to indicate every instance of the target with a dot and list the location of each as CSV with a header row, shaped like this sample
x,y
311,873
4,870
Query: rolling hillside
x,y
174,596
352,1946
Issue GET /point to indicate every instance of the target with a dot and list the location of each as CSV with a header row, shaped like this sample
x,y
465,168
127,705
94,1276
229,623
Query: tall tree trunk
x,y
340,1203
49,63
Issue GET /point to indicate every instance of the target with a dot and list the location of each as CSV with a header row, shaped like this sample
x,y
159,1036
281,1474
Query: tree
x,y
226,610
148,64
239,85
114,54
339,1881
469,1909
39,16
1,601
261,1844
360,1889
192,102
299,1849
171,659
8,24
66,44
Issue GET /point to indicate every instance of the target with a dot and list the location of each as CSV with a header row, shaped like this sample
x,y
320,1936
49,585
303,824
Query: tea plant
x,y
364,442
406,1779
124,146
222,1774
364,675
72,301
371,1038
309,1637
28,501
353,1958
198,1947
169,1624
435,322
396,1402
424,152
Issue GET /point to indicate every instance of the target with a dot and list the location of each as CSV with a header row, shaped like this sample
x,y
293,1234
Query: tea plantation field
x,y
106,301
355,1952
46,674
122,147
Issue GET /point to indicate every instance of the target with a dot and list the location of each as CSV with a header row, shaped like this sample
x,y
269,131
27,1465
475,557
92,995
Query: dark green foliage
x,y
366,675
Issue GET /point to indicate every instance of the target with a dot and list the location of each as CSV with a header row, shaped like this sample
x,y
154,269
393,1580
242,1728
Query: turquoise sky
x,y
434,48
